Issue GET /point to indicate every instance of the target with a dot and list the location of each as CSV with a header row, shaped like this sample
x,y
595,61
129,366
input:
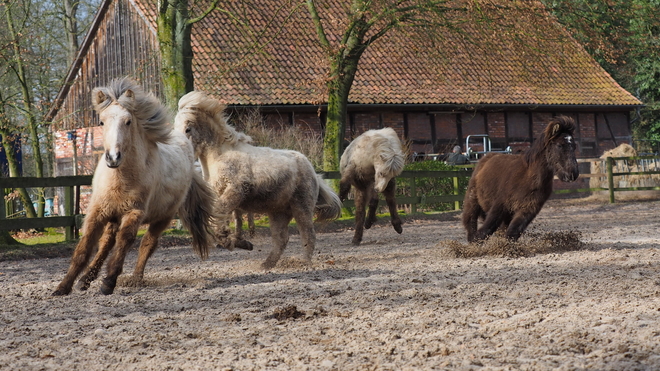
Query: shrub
x,y
432,186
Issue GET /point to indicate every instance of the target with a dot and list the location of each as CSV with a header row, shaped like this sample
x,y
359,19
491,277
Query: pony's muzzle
x,y
112,159
570,176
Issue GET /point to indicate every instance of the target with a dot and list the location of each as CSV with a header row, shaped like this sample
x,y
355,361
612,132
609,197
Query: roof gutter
x,y
447,108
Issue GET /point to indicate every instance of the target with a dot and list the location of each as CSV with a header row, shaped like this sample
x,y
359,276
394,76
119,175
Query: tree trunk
x,y
7,239
176,52
339,87
32,120
12,162
71,27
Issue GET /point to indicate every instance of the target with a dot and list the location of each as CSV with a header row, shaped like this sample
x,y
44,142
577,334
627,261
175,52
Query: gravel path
x,y
397,302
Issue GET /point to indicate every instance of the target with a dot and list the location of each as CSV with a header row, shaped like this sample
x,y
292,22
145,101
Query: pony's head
x,y
388,158
203,120
559,144
128,115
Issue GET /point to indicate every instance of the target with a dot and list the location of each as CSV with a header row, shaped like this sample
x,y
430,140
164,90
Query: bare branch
x,y
208,11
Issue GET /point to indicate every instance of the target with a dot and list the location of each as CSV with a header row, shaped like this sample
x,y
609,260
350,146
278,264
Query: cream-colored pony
x,y
147,176
279,183
370,163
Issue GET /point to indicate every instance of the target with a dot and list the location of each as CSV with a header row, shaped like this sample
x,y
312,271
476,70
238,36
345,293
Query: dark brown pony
x,y
508,191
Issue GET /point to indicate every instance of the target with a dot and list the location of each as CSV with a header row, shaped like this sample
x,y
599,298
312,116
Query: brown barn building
x,y
434,91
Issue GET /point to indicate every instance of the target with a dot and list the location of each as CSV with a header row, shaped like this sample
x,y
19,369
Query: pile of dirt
x,y
529,245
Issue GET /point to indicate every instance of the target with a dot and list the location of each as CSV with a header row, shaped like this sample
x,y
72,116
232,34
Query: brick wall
x,y
307,121
363,122
496,125
539,122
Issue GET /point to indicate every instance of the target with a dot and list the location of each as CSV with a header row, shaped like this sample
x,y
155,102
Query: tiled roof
x,y
533,63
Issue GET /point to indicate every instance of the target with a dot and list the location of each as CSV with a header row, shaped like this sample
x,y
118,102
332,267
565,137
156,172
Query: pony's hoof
x,y
83,285
107,287
244,245
268,265
225,245
61,292
368,224
356,242
397,228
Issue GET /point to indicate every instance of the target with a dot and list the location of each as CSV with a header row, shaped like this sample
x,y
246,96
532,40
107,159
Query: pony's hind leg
x,y
147,247
391,204
471,213
125,238
305,222
92,231
106,244
279,230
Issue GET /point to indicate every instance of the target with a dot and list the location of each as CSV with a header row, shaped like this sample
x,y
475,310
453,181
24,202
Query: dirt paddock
x,y
397,302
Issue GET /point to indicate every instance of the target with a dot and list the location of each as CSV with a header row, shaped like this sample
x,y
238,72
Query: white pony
x,y
147,176
279,183
370,163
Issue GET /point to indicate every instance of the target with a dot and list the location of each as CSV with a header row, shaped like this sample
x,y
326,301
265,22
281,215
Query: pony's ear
x,y
555,129
129,94
98,97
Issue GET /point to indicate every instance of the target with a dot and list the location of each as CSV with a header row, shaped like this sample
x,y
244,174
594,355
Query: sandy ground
x,y
397,302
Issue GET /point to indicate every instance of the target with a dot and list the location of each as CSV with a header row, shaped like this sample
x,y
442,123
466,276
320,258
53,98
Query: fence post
x,y
457,204
3,209
610,178
68,211
413,193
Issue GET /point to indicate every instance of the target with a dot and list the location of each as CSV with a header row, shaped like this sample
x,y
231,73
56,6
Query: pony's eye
x,y
187,130
128,122
101,123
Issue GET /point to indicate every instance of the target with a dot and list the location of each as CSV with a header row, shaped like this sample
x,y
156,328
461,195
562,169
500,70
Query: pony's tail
x,y
328,205
196,214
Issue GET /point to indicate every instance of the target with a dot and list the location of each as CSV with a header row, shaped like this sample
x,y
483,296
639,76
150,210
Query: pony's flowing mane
x,y
557,126
199,102
152,115
391,156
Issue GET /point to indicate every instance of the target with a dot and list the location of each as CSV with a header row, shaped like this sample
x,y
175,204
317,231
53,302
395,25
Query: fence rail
x,y
70,220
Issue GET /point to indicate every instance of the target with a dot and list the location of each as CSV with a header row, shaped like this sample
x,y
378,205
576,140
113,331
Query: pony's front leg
x,y
237,240
106,244
228,204
147,248
279,230
359,216
494,218
251,227
372,196
344,189
519,224
389,192
92,231
125,238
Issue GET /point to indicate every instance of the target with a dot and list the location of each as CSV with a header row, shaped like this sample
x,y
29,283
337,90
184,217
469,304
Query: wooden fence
x,y
72,220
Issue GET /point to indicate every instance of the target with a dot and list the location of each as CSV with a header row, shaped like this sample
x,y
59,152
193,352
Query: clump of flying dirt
x,y
529,245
